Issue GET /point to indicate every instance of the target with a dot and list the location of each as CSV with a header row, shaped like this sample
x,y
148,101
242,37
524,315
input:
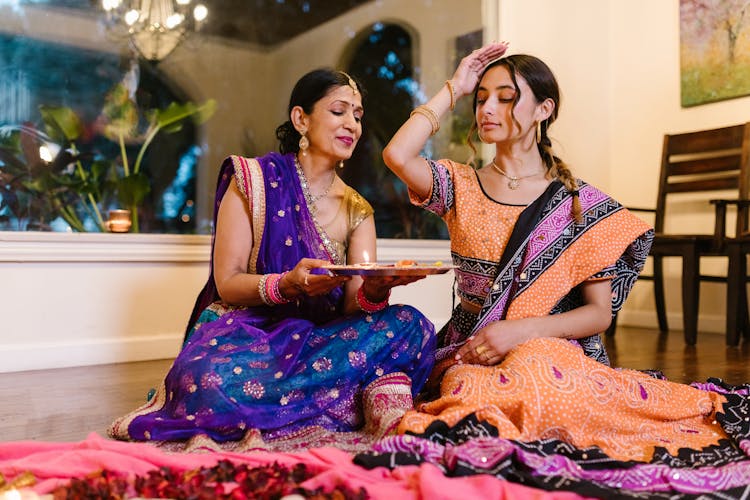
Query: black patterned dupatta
x,y
544,232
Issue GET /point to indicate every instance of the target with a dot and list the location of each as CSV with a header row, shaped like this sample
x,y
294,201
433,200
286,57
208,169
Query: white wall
x,y
81,299
86,299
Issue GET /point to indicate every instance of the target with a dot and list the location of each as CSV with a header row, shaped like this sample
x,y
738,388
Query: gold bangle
x,y
431,116
453,94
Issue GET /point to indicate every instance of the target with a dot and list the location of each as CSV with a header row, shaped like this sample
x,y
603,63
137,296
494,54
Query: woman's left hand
x,y
493,342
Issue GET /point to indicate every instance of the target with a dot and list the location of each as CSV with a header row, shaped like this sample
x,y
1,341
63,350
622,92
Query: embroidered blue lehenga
x,y
279,370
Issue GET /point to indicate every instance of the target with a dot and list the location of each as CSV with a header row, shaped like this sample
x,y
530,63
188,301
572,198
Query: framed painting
x,y
714,50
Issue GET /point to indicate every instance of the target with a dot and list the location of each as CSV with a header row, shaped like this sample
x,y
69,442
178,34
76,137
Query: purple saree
x,y
279,370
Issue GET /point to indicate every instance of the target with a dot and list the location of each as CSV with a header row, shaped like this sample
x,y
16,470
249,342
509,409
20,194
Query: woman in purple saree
x,y
276,345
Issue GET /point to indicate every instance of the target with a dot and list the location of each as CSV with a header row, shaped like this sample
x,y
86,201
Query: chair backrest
x,y
704,161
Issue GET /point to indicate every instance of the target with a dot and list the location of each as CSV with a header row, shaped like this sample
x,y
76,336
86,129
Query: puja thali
x,y
372,269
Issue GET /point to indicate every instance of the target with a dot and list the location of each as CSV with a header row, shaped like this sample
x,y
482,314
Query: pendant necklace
x,y
513,181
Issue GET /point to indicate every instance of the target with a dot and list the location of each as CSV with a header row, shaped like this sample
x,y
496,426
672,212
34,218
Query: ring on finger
x,y
307,275
480,349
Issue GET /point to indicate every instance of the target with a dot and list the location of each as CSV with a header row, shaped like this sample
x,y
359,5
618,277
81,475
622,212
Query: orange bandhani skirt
x,y
547,388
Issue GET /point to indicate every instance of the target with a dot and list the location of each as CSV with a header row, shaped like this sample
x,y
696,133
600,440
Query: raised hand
x,y
466,76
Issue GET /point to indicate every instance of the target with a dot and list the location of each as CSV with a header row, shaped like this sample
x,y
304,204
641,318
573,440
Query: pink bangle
x,y
272,289
371,307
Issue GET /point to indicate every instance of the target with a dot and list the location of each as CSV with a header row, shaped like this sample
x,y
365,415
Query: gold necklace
x,y
306,185
513,181
316,197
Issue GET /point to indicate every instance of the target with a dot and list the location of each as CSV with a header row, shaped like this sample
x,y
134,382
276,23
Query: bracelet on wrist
x,y
272,289
430,114
268,288
452,91
368,306
262,290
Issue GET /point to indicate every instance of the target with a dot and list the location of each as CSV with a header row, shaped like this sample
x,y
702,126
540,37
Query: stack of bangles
x,y
268,288
430,114
370,307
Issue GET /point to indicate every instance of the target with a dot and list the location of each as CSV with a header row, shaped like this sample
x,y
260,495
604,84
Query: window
x,y
246,58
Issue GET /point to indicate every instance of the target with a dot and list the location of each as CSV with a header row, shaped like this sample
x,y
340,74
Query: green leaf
x,y
10,138
171,129
121,114
65,180
37,185
100,169
205,111
132,190
176,112
10,163
61,123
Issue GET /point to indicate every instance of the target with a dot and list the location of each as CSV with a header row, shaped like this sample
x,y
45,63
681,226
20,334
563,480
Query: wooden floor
x,y
67,404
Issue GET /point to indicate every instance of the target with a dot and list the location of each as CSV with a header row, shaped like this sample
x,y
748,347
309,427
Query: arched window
x,y
382,59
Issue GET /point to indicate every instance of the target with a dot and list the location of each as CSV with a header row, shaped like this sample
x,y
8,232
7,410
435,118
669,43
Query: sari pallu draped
x,y
279,370
549,255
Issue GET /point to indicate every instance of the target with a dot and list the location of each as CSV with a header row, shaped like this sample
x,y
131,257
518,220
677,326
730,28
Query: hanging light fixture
x,y
154,27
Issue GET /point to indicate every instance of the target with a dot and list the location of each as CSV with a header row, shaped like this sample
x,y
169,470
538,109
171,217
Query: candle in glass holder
x,y
119,221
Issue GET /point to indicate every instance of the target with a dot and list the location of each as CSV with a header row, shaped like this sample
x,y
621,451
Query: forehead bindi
x,y
345,93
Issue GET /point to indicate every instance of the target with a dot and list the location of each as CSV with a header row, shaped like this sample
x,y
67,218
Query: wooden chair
x,y
738,321
705,161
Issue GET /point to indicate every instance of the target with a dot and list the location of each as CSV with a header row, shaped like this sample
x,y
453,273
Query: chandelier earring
x,y
304,143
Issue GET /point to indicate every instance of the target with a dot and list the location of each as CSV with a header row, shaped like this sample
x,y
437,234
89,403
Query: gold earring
x,y
341,164
304,143
538,132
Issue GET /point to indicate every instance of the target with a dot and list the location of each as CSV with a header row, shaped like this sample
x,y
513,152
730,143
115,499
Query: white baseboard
x,y
83,352
45,356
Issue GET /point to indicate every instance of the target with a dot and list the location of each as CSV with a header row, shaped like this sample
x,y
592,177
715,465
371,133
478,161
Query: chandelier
x,y
153,27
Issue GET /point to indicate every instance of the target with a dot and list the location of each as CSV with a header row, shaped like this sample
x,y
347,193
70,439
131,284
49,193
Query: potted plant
x,y
45,172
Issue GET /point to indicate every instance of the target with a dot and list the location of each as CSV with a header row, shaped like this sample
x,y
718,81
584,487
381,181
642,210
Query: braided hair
x,y
543,84
308,90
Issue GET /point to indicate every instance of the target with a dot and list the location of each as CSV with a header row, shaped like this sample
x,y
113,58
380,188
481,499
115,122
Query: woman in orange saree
x,y
522,389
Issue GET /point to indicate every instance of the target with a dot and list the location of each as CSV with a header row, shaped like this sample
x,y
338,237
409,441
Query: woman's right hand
x,y
301,280
466,76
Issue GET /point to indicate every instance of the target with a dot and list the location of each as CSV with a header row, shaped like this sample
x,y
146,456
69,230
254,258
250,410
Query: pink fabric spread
x,y
56,463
